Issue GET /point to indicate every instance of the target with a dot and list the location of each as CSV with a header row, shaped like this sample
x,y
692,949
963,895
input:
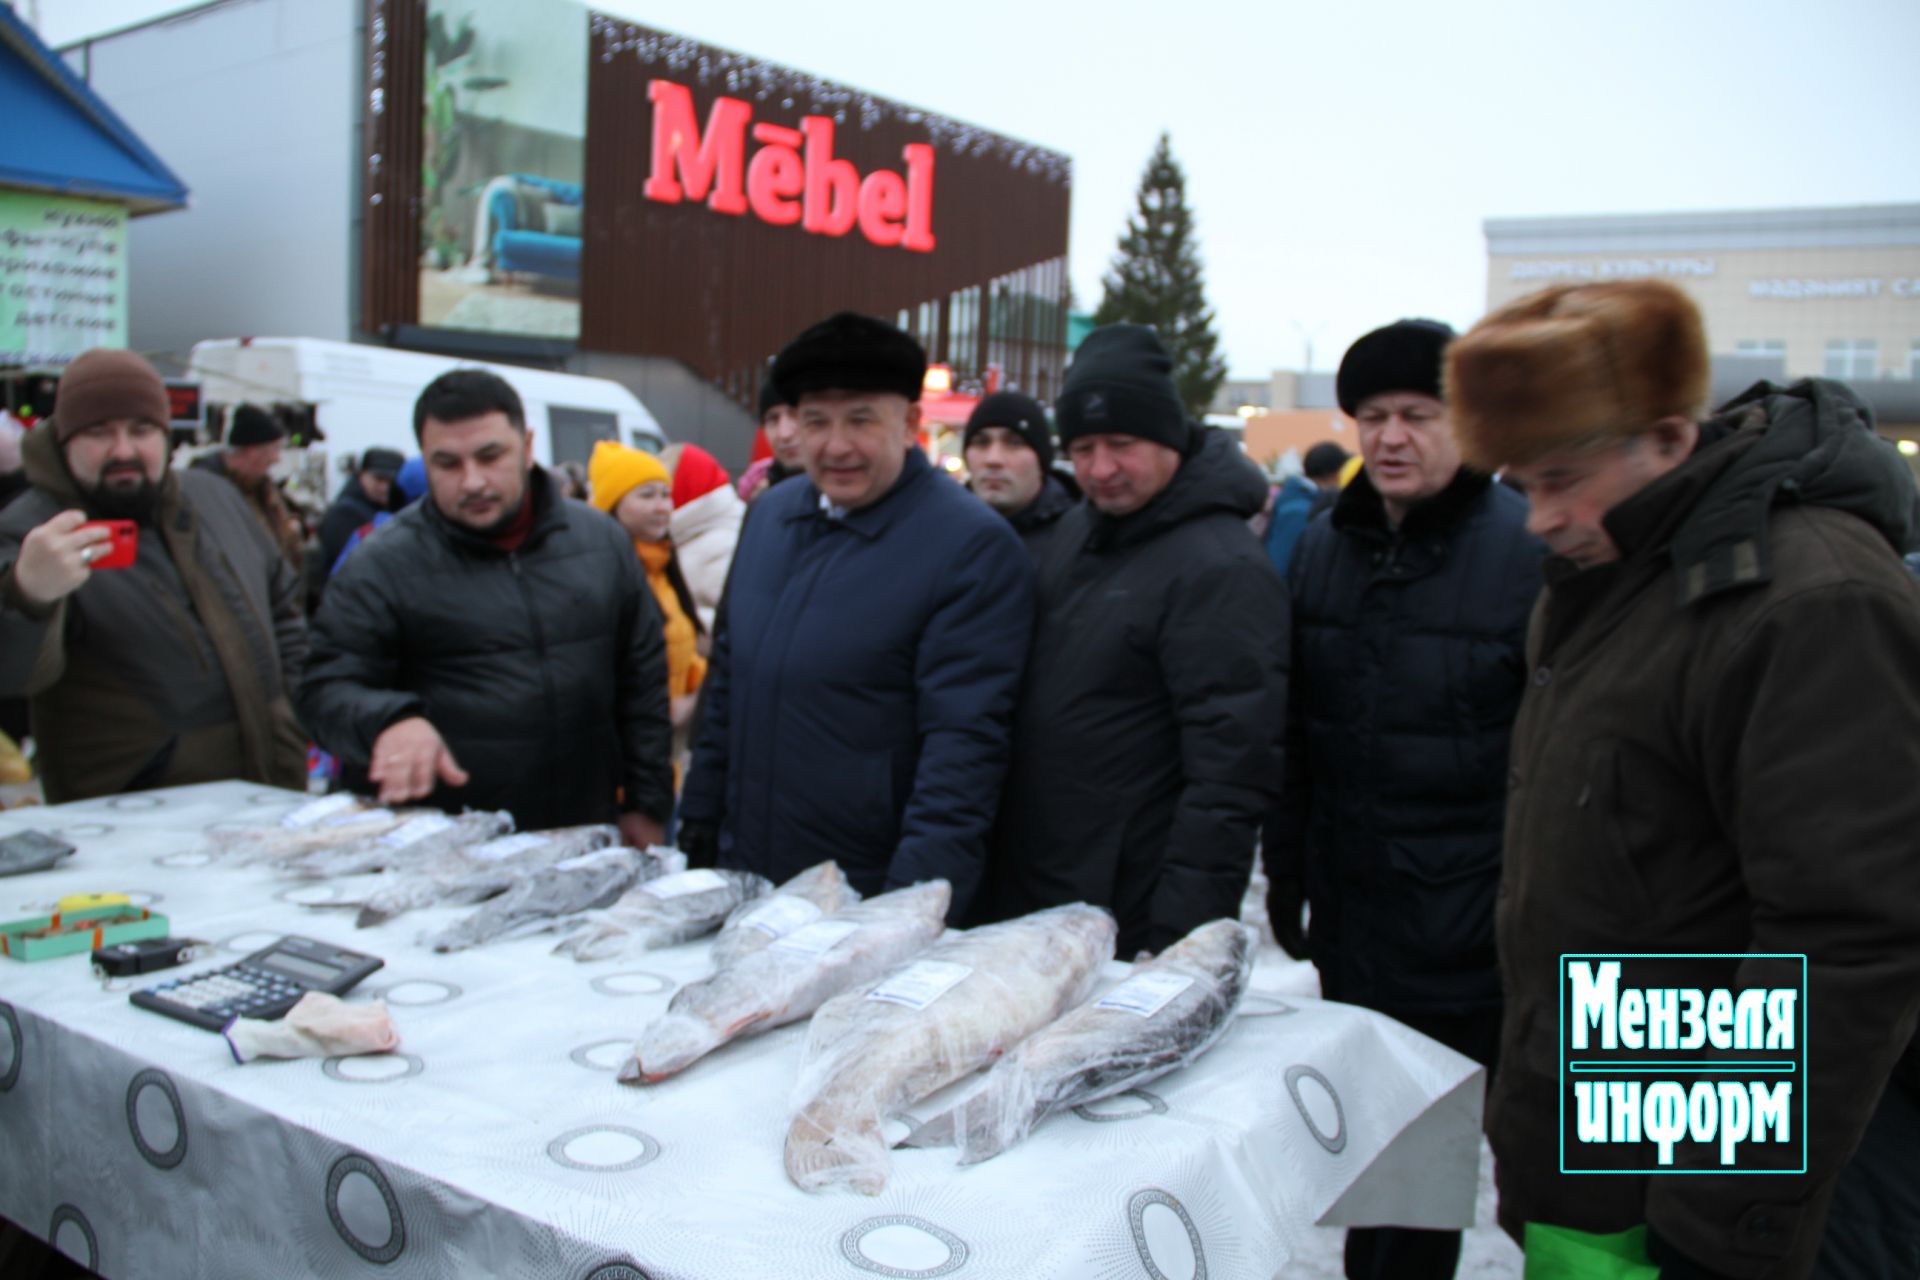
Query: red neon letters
x,y
793,178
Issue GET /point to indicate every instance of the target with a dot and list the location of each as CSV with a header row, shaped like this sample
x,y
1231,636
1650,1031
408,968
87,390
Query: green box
x,y
108,925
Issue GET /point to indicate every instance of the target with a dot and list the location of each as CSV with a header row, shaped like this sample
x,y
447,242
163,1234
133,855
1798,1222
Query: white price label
x,y
414,831
781,914
921,983
1144,994
682,883
506,847
363,815
315,811
595,858
817,938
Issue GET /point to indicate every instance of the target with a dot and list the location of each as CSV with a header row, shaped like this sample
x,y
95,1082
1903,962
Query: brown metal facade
x,y
720,292
394,84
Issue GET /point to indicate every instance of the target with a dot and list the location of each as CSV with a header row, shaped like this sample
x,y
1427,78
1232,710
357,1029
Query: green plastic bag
x,y
1561,1253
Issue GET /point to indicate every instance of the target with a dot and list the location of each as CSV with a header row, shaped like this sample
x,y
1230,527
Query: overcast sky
x,y
1341,157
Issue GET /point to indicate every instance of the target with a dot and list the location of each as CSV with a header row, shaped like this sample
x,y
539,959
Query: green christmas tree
x,y
1156,280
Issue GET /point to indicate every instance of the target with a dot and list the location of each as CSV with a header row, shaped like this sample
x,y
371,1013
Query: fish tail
x,y
825,1152
995,1117
370,915
673,1042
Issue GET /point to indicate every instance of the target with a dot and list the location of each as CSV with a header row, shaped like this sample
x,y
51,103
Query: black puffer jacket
x,y
543,669
1409,658
1146,742
351,508
1037,522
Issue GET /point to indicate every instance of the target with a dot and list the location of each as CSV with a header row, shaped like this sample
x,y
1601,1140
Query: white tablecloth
x,y
497,1143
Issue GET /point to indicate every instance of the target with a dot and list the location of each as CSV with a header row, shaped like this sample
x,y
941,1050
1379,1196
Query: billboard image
x,y
503,166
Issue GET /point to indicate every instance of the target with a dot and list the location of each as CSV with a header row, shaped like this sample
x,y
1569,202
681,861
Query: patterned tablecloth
x,y
496,1142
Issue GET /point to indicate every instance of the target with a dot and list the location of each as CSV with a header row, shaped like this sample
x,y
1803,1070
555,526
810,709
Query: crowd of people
x,y
1558,663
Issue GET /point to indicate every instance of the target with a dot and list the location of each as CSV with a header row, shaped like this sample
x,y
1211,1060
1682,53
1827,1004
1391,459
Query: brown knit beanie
x,y
106,383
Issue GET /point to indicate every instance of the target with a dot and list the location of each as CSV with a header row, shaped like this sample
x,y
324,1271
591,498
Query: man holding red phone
x,y
175,666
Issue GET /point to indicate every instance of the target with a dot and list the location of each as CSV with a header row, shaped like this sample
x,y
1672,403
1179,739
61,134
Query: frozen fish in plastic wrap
x,y
1168,1011
820,890
663,913
789,978
331,822
962,1003
547,899
478,872
417,842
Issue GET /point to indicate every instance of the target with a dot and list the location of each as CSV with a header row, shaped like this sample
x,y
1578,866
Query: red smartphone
x,y
124,546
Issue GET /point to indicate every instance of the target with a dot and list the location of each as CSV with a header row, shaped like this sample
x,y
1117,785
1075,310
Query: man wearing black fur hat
x,y
1715,760
865,666
1146,745
254,443
1410,605
1009,450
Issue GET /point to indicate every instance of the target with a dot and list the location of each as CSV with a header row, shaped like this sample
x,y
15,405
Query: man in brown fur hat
x,y
1716,756
175,668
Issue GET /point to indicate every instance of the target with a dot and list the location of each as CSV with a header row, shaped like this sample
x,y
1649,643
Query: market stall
x,y
496,1140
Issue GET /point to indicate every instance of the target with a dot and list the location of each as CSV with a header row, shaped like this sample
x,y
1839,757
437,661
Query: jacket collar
x,y
1361,510
1216,476
1054,500
873,519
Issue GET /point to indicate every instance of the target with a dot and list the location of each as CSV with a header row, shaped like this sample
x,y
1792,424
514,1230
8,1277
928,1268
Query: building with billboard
x,y
1786,293
534,182
71,175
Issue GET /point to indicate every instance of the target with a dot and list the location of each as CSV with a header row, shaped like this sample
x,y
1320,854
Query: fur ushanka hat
x,y
1572,366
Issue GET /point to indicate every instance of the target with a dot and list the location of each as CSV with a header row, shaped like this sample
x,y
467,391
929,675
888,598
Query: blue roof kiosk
x,y
71,174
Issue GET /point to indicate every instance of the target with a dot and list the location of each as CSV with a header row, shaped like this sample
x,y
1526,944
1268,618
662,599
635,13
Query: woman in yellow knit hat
x,y
636,489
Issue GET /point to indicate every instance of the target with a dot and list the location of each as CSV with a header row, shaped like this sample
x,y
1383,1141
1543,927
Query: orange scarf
x,y
685,667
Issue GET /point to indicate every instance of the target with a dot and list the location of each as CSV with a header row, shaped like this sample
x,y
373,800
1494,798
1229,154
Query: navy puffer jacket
x,y
1409,658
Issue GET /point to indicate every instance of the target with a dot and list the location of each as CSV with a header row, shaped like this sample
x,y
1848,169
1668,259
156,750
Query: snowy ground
x,y
1485,1252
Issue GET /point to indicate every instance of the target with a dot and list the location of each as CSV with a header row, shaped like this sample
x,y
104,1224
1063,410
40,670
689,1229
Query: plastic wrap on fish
x,y
547,899
789,978
663,913
331,822
418,842
820,890
962,1003
478,872
1168,1011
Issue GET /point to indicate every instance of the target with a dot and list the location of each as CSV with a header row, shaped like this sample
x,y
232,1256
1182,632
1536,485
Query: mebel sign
x,y
794,178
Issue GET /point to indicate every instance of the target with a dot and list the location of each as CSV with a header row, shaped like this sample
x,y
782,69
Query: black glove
x,y
700,841
1286,897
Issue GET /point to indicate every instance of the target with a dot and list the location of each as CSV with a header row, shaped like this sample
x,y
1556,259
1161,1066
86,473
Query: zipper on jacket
x,y
540,652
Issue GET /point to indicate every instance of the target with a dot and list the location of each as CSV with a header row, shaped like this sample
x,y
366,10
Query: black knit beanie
x,y
1121,383
1019,414
1402,356
252,425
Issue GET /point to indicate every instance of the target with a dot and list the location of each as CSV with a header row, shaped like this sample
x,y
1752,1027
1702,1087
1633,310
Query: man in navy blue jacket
x,y
865,668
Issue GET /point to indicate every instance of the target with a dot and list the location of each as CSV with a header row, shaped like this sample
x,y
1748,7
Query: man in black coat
x,y
496,647
366,493
867,659
1146,743
1410,606
1009,450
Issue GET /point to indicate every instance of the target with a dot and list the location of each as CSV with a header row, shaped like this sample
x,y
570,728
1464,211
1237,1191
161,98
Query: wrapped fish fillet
x,y
789,978
820,890
969,998
478,872
1169,1011
663,913
419,841
327,823
544,900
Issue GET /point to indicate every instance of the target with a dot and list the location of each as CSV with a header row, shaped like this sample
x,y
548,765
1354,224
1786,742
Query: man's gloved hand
x,y
700,841
1286,899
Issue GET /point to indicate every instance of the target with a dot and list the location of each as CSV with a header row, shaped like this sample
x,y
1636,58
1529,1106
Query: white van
x,y
363,396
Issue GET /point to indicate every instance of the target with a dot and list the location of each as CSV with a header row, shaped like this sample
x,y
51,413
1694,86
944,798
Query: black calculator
x,y
264,985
